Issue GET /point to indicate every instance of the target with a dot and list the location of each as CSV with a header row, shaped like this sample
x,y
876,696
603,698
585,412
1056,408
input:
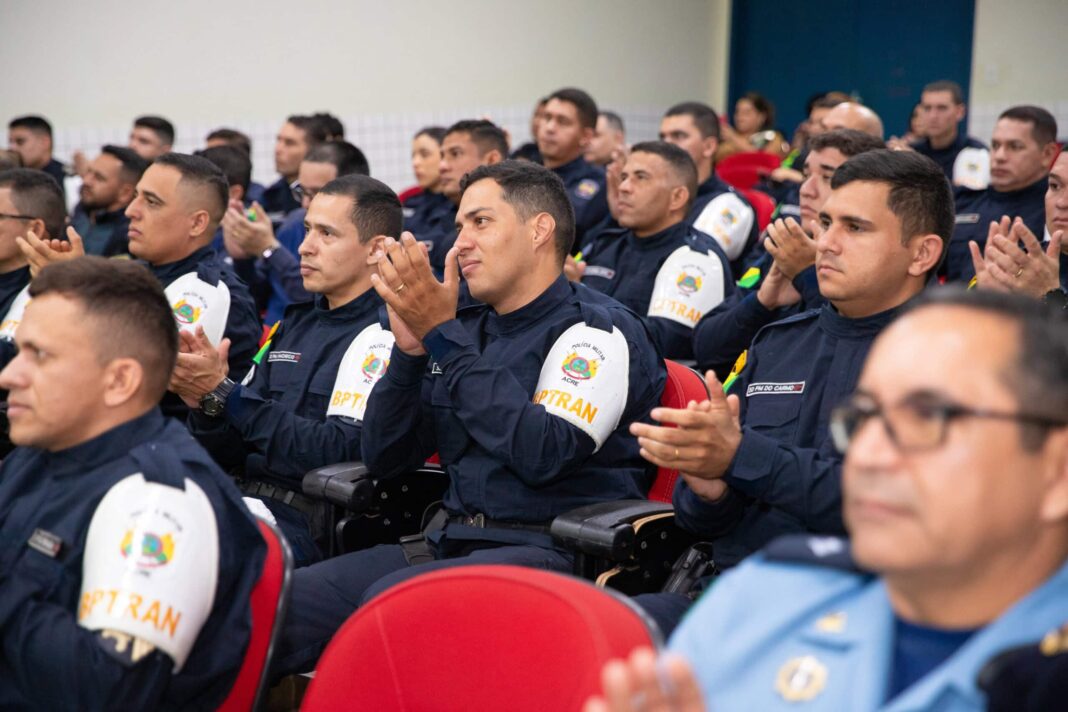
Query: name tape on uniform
x,y
756,389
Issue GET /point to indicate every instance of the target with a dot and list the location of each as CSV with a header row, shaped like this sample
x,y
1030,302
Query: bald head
x,y
850,115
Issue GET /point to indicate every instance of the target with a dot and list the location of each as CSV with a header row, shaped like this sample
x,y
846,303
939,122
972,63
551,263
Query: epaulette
x,y
813,550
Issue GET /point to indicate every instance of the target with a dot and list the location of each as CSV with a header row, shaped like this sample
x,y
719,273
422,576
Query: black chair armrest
x,y
347,484
607,529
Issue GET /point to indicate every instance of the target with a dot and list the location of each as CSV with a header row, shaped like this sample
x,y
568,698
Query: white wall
x,y
385,67
1020,56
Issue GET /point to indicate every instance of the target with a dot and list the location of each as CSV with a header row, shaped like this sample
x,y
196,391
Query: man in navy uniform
x,y
31,138
760,462
108,186
297,135
151,137
525,397
302,406
946,565
566,127
657,264
719,210
128,557
1021,151
965,160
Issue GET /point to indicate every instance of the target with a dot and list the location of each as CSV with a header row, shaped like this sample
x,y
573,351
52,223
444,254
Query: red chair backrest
x,y
477,638
409,193
743,170
682,386
763,205
268,604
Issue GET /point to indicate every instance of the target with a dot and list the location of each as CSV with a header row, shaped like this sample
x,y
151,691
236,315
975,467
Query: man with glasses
x,y
759,463
955,493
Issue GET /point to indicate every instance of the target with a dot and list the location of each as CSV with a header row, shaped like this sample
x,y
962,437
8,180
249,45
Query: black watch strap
x,y
214,403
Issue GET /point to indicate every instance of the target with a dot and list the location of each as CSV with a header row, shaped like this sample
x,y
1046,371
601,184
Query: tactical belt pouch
x,y
694,565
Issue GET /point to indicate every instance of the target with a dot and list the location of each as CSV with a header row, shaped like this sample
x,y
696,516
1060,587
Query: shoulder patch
x,y
195,302
689,285
587,188
728,219
364,363
971,168
585,380
829,551
150,568
14,314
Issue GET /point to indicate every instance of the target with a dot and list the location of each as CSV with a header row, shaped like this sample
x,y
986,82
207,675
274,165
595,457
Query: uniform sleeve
x,y
398,428
728,330
731,221
709,520
672,339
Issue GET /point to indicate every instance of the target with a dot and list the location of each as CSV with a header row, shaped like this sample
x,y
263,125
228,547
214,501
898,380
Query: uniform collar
x,y
101,217
16,278
354,310
1037,188
866,327
573,167
169,272
543,305
713,185
107,446
657,240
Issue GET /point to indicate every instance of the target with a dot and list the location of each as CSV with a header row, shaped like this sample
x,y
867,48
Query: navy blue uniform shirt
x,y
278,201
471,400
48,660
103,232
631,268
276,426
976,209
432,220
947,157
585,184
786,475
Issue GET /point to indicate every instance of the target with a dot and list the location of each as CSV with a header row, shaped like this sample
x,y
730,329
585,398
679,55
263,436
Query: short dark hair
x,y
232,161
37,195
435,132
530,189
232,137
614,120
133,166
133,317
583,103
376,210
849,142
332,126
315,131
762,104
955,92
1043,125
920,195
201,173
484,134
680,162
704,117
1039,375
348,159
37,124
160,126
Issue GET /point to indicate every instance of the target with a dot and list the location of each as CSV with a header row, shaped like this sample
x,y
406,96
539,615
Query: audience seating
x,y
743,170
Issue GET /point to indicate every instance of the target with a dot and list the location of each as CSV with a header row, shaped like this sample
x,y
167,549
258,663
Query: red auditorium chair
x,y
763,205
268,603
744,170
478,638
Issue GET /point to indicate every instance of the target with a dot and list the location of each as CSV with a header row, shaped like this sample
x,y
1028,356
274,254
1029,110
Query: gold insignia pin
x,y
801,679
1055,642
832,622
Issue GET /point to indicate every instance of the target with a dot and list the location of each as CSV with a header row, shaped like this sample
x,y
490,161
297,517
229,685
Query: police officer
x,y
297,135
180,201
761,463
719,210
425,200
1022,149
1028,678
947,565
965,160
466,145
128,558
108,186
565,128
302,405
783,281
657,264
270,264
524,398
31,138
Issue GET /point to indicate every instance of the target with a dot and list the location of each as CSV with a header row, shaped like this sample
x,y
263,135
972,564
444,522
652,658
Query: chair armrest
x,y
607,529
347,484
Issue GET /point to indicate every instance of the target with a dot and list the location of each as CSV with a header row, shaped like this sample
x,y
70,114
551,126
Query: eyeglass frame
x,y
947,413
12,216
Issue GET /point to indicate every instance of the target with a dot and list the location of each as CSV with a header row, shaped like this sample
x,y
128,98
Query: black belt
x,y
480,521
296,500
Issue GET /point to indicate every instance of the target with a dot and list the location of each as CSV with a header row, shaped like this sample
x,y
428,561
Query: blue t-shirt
x,y
918,650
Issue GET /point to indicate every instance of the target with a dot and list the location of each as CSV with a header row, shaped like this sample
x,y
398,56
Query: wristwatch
x,y
271,249
214,403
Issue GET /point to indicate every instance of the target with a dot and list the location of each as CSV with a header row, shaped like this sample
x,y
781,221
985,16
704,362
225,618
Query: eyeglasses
x,y
11,216
299,192
918,422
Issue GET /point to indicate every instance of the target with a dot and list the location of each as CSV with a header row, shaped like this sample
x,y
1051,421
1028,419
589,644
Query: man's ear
x,y
199,223
544,231
709,146
587,137
237,193
126,193
492,156
680,196
37,227
1049,151
123,378
926,251
375,244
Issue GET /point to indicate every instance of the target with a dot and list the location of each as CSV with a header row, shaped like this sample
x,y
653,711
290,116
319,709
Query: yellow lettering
x,y
563,400
540,396
588,413
152,615
132,606
114,593
336,400
170,621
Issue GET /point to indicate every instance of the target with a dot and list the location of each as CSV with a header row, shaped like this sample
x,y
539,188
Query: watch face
x,y
211,405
